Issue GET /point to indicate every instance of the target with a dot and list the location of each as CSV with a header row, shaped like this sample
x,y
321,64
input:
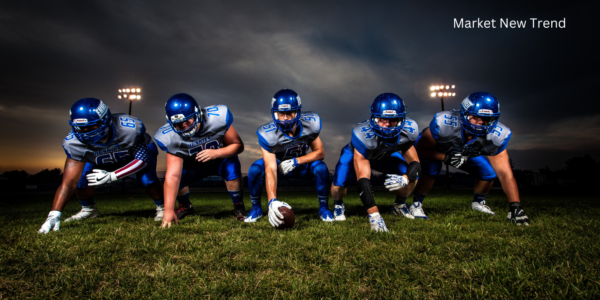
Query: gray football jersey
x,y
372,147
216,118
129,130
285,147
446,129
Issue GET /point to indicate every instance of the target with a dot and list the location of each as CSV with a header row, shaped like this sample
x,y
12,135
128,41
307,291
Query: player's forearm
x,y
62,196
311,157
230,150
271,182
510,187
171,188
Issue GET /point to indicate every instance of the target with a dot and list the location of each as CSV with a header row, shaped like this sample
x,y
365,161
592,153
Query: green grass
x,y
458,253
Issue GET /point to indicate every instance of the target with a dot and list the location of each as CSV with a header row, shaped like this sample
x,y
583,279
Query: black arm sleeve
x,y
366,193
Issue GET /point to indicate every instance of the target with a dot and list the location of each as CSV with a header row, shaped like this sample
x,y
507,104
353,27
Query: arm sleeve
x,y
140,161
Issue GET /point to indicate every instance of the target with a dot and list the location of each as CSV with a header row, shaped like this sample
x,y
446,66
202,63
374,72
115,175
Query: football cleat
x,y
254,215
338,212
160,211
402,210
481,207
416,209
86,212
516,214
326,215
377,223
239,210
183,211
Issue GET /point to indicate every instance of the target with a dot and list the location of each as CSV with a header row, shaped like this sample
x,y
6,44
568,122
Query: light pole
x,y
442,91
133,93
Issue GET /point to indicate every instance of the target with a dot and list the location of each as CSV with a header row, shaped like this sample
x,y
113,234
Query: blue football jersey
x,y
446,129
373,147
124,145
216,121
284,146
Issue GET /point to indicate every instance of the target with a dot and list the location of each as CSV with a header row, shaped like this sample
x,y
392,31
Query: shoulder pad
x,y
363,137
166,138
74,149
411,129
267,135
500,134
311,120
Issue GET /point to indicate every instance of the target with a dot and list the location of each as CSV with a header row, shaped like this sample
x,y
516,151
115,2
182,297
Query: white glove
x,y
98,177
287,166
395,182
53,222
275,217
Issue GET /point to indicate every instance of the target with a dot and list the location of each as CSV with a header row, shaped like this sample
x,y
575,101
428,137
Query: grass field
x,y
458,253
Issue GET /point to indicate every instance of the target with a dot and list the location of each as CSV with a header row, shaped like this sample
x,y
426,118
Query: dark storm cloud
x,y
337,55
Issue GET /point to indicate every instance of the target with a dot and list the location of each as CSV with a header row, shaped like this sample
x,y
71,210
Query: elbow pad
x,y
366,193
413,170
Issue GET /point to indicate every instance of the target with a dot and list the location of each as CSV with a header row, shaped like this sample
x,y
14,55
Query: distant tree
x,y
16,176
46,176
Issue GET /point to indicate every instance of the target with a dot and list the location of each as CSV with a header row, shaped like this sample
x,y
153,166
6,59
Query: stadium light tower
x,y
131,93
442,91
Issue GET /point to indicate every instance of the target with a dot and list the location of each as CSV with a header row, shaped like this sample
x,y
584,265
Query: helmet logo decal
x,y
101,110
178,118
299,101
389,112
273,101
467,103
81,121
284,106
485,112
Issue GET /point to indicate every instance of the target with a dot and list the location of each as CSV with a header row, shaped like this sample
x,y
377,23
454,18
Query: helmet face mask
x,y
90,120
181,108
388,109
479,105
286,102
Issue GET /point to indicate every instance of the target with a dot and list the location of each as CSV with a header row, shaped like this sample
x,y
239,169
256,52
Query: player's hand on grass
x,y
275,216
395,182
287,166
98,177
206,155
168,217
516,214
52,222
455,159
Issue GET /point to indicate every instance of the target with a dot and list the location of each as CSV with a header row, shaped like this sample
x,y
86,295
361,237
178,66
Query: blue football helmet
x,y
286,101
180,108
388,106
483,105
88,112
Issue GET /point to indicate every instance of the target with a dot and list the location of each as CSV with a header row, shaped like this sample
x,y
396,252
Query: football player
x,y
284,143
102,148
199,142
470,139
383,143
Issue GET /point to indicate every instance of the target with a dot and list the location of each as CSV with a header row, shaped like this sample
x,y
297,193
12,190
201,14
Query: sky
x,y
337,55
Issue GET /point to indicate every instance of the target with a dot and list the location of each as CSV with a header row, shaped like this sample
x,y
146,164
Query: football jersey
x,y
216,121
125,145
446,130
272,139
373,147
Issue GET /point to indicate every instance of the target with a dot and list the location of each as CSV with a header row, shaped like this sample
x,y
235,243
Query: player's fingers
x,y
56,226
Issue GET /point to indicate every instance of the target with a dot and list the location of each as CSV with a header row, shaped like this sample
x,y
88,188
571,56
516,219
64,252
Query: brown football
x,y
289,219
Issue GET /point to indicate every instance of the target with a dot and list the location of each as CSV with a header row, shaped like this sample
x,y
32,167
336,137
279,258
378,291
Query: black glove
x,y
516,214
455,159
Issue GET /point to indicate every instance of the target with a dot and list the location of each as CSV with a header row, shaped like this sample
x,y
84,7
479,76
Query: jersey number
x,y
297,151
209,145
210,111
111,158
451,120
409,126
497,130
127,122
368,132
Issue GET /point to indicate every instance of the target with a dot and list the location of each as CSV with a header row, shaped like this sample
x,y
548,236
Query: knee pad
x,y
321,171
413,170
366,193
